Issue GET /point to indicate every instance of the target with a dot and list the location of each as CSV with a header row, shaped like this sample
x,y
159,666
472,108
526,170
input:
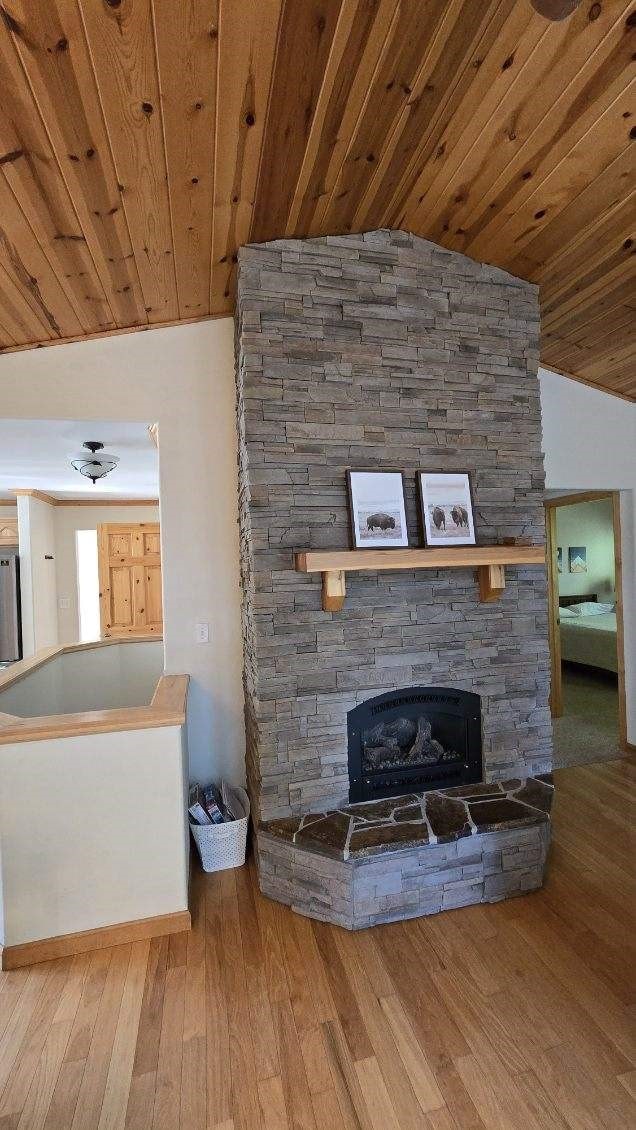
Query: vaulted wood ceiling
x,y
143,141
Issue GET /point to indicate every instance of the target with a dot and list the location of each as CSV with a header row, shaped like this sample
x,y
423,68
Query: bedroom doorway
x,y
587,697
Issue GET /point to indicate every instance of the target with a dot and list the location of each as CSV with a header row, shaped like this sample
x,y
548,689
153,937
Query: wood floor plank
x,y
17,1087
218,1069
43,1086
91,1091
513,1016
120,1069
351,1098
60,1113
395,1078
166,1112
294,1079
245,1105
416,1065
263,1035
20,1019
272,1100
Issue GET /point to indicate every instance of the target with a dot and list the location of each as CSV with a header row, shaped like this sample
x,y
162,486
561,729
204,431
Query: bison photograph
x,y
380,521
446,507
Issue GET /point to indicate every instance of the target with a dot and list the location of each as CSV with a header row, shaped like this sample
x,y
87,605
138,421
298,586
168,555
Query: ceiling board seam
x,y
323,210
516,81
89,53
397,127
584,235
503,177
395,206
587,294
346,20
165,153
626,318
267,110
152,280
216,149
71,297
552,293
500,233
16,315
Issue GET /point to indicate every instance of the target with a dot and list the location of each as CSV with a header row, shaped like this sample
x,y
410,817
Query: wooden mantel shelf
x,y
489,560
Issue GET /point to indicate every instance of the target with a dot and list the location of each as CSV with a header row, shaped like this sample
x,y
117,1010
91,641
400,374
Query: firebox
x,y
412,740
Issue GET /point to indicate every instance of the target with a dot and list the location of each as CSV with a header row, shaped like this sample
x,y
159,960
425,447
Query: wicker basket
x,y
223,845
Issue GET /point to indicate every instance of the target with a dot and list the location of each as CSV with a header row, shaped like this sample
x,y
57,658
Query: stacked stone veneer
x,y
382,351
418,880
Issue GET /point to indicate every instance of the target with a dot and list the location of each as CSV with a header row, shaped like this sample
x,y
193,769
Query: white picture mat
x,y
381,492
446,491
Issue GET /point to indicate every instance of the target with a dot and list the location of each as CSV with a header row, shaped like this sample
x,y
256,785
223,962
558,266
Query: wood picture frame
x,y
447,511
377,510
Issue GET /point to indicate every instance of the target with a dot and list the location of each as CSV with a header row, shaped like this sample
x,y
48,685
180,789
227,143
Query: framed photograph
x,y
376,505
577,559
560,559
447,508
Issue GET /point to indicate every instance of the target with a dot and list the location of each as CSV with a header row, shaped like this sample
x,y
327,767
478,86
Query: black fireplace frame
x,y
464,706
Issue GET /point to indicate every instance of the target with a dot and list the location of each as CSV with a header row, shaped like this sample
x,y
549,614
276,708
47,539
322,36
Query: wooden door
x,y
130,579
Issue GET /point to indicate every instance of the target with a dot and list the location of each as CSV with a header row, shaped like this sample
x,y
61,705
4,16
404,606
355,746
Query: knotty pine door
x,y
130,579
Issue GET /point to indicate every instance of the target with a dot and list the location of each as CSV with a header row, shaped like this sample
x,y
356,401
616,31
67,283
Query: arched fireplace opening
x,y
412,740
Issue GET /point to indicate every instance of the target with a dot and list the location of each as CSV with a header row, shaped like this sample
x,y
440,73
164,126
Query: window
x,y
87,585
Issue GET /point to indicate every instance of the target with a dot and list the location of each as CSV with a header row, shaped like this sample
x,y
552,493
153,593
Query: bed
x,y
588,639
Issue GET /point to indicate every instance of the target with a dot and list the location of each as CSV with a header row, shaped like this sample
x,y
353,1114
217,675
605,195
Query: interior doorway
x,y
87,585
586,626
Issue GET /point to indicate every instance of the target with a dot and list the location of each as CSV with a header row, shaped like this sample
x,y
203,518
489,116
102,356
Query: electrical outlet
x,y
202,632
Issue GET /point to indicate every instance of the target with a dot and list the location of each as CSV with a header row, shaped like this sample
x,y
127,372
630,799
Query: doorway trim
x,y
556,689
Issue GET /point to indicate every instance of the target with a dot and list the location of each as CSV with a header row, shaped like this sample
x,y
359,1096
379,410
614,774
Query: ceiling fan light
x,y
555,9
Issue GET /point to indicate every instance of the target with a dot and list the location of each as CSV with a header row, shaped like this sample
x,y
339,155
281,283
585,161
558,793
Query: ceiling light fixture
x,y
92,465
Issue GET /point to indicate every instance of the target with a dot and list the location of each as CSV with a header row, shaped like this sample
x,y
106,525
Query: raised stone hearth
x,y
384,351
397,858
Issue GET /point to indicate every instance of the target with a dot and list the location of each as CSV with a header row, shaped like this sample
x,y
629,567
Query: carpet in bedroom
x,y
588,730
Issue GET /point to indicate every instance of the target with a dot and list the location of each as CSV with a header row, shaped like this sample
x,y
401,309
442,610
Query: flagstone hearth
x,y
401,857
373,827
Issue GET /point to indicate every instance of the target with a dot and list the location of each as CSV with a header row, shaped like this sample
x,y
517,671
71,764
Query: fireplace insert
x,y
412,740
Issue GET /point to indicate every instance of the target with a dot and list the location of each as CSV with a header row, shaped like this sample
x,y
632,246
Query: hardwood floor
x,y
516,1016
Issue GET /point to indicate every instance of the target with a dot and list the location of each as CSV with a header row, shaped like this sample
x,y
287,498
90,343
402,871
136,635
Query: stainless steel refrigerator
x,y
10,626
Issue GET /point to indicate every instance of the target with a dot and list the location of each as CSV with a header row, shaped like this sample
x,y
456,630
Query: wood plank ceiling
x,y
143,141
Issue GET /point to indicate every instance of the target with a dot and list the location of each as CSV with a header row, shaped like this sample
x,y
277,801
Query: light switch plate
x,y
64,602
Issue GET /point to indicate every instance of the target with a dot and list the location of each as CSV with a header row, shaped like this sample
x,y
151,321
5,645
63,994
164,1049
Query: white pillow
x,y
591,608
567,614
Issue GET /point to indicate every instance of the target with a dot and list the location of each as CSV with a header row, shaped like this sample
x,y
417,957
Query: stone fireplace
x,y
384,351
413,739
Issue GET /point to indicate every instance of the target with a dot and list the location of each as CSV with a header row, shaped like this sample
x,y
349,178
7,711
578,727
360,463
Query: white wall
x,y
183,377
68,520
589,440
99,835
36,536
100,678
588,524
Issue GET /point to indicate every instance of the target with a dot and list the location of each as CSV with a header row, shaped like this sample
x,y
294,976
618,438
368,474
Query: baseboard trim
x,y
64,945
